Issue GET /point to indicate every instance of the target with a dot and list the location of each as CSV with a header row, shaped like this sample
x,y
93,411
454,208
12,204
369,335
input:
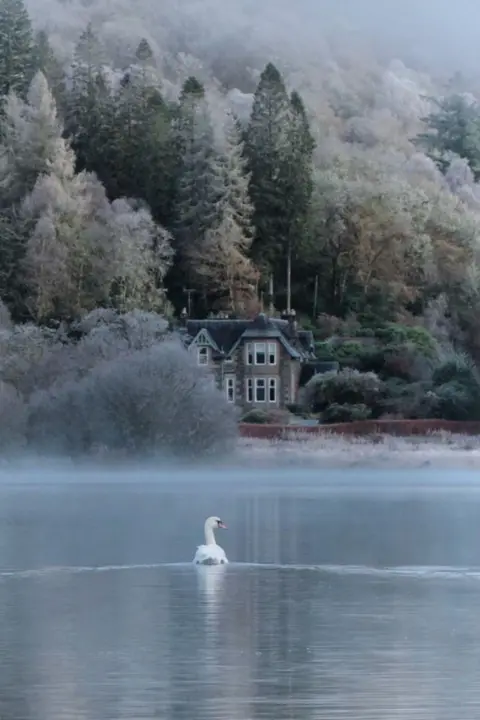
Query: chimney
x,y
183,317
292,323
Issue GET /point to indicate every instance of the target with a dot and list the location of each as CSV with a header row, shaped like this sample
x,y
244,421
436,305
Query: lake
x,y
349,594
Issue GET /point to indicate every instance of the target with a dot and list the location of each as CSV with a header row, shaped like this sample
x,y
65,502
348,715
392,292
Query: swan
x,y
211,553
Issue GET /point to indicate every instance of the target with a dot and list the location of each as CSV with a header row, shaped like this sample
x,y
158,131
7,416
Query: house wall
x,y
286,371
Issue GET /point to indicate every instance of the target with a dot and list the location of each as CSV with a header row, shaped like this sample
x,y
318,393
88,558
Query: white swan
x,y
211,553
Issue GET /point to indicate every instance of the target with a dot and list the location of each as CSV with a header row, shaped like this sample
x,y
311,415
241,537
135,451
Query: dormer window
x,y
202,355
256,354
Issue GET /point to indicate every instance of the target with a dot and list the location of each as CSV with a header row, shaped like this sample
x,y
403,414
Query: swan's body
x,y
211,553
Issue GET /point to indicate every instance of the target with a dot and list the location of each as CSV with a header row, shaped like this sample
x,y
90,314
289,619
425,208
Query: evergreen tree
x,y
90,110
44,60
16,61
199,180
222,258
143,130
298,177
267,148
453,129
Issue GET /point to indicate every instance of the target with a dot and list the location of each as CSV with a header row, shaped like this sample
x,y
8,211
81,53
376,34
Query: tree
x,y
298,177
223,256
31,138
266,149
198,185
142,129
453,129
44,59
15,47
90,109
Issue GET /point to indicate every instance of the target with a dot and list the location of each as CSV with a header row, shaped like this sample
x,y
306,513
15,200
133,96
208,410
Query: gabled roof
x,y
228,333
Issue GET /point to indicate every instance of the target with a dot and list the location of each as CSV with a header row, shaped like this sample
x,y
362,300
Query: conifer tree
x,y
44,60
89,115
266,149
199,181
298,177
16,61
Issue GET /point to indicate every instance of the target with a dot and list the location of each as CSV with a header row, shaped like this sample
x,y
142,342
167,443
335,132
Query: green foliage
x,y
16,52
345,387
345,412
418,337
453,129
258,417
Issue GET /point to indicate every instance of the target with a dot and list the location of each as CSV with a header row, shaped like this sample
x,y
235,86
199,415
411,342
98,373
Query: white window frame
x,y
272,353
273,385
257,385
249,354
202,355
249,390
230,387
256,352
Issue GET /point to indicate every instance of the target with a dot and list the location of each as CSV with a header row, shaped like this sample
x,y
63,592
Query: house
x,y
258,362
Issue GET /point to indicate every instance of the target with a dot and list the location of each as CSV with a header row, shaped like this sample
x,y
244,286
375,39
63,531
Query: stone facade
x,y
257,363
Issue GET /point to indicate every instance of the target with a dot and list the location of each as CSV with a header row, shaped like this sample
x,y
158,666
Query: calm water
x,y
346,597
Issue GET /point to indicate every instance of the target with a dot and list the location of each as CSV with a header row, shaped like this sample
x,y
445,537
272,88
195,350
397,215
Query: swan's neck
x,y
209,535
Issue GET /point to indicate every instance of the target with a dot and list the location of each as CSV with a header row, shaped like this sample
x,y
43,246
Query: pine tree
x,y
90,110
143,130
298,178
16,67
223,256
44,60
199,180
266,148
31,135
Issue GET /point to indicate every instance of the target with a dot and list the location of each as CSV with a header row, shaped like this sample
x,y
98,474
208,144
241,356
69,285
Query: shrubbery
x,y
115,383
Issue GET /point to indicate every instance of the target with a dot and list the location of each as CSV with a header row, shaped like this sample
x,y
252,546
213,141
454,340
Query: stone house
x,y
258,363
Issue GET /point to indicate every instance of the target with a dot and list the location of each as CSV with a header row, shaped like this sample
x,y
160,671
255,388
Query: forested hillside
x,y
149,149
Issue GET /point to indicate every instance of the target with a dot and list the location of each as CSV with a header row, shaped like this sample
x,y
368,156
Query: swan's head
x,y
213,523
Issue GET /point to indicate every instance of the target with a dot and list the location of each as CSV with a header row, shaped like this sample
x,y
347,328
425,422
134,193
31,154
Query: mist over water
x,y
349,593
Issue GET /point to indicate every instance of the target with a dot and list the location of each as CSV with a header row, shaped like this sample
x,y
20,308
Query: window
x,y
272,390
228,360
260,354
272,353
230,388
256,353
249,390
202,355
260,390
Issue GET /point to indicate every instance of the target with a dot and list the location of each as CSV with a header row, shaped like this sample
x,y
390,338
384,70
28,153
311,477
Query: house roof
x,y
228,333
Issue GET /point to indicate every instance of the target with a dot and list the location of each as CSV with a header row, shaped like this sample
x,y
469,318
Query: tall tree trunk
x,y
289,276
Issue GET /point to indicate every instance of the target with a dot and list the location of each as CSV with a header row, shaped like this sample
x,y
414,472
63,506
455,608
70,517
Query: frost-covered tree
x,y
222,258
298,178
66,262
143,255
199,180
453,128
31,139
44,59
88,119
16,61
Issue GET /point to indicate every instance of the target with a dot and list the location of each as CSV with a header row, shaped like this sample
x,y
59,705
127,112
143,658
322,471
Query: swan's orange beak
x,y
222,525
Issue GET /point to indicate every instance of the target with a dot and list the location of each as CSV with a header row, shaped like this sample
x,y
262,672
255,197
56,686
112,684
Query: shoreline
x,y
440,449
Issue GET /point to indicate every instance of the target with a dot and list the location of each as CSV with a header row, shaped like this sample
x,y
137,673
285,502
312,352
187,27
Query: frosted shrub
x,y
145,402
345,387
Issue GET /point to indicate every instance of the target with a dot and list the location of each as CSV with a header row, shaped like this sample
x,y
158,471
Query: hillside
x,y
327,151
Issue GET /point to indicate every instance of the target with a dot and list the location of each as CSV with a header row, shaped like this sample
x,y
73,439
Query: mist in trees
x,y
132,169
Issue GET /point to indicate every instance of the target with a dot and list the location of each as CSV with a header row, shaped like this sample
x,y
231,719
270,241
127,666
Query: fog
x,y
436,35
